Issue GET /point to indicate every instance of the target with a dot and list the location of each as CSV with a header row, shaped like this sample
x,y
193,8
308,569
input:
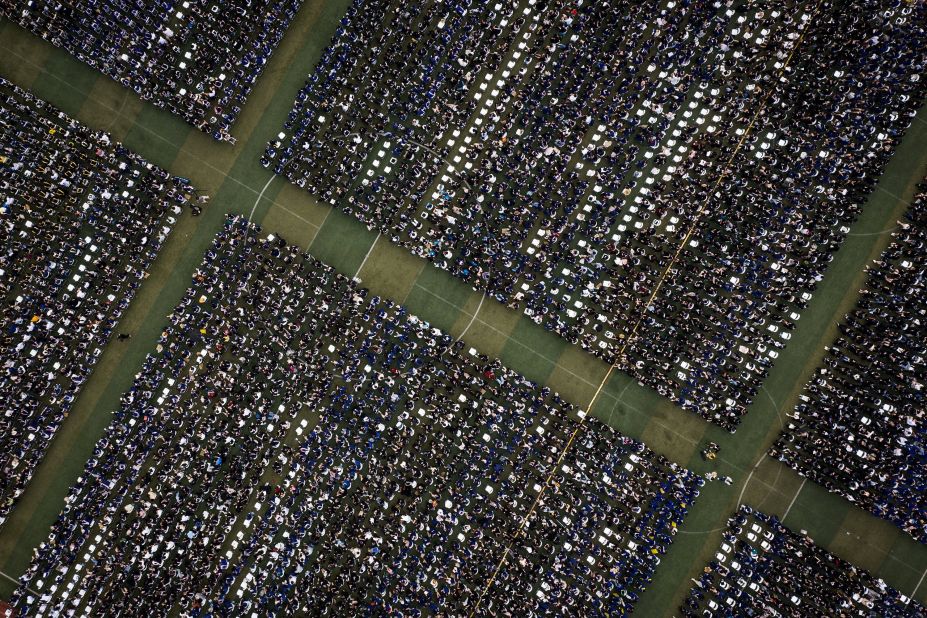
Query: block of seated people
x,y
860,426
765,569
198,60
82,218
214,500
593,154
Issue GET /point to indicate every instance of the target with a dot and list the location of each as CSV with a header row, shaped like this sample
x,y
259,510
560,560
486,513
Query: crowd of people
x,y
198,59
296,446
661,182
860,428
81,218
764,569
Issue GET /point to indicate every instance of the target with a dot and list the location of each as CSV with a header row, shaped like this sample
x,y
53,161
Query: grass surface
x,y
233,176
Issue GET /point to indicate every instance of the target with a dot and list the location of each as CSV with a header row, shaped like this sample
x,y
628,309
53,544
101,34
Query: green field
x,y
237,182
